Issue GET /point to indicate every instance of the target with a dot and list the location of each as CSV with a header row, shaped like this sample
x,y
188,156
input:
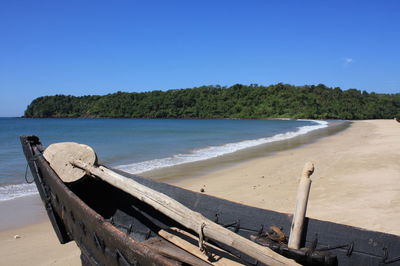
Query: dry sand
x,y
356,182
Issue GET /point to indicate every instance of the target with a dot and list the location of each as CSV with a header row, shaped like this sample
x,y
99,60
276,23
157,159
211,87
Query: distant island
x,y
238,101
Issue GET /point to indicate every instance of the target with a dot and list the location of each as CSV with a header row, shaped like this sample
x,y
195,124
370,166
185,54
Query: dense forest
x,y
237,101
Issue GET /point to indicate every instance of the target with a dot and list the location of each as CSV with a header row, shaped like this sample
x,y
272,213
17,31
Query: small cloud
x,y
348,61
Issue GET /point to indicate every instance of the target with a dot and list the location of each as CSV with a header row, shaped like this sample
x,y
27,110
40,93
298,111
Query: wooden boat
x,y
112,227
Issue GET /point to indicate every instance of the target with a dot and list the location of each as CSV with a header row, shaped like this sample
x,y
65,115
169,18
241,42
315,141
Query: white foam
x,y
215,151
9,192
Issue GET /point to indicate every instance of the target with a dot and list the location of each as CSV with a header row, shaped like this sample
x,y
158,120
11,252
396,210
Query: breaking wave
x,y
9,192
215,151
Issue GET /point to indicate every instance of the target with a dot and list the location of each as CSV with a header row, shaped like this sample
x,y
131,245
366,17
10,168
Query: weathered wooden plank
x,y
185,241
172,251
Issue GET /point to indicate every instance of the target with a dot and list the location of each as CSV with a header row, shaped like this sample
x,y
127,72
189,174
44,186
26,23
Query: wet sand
x,y
37,245
356,182
21,212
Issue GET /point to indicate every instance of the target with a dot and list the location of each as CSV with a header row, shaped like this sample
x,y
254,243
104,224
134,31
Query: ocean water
x,y
138,145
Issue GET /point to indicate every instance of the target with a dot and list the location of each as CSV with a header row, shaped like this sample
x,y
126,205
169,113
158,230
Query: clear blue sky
x,y
99,47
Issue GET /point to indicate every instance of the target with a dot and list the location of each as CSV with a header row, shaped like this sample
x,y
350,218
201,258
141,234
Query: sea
x,y
138,145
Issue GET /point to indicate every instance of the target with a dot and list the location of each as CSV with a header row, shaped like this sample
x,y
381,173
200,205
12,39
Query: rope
x,y
26,175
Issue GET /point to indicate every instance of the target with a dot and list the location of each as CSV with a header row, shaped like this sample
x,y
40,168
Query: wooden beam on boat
x,y
185,216
170,250
161,202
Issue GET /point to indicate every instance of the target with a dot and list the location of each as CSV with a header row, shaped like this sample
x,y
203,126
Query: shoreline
x,y
206,154
356,182
202,167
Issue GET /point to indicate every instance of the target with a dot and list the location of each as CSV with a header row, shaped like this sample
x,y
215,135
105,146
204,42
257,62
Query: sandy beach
x,y
356,182
356,179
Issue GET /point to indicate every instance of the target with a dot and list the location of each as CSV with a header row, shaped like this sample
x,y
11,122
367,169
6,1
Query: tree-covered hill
x,y
237,101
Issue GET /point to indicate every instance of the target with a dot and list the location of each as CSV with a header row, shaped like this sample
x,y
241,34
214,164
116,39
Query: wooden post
x,y
301,206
